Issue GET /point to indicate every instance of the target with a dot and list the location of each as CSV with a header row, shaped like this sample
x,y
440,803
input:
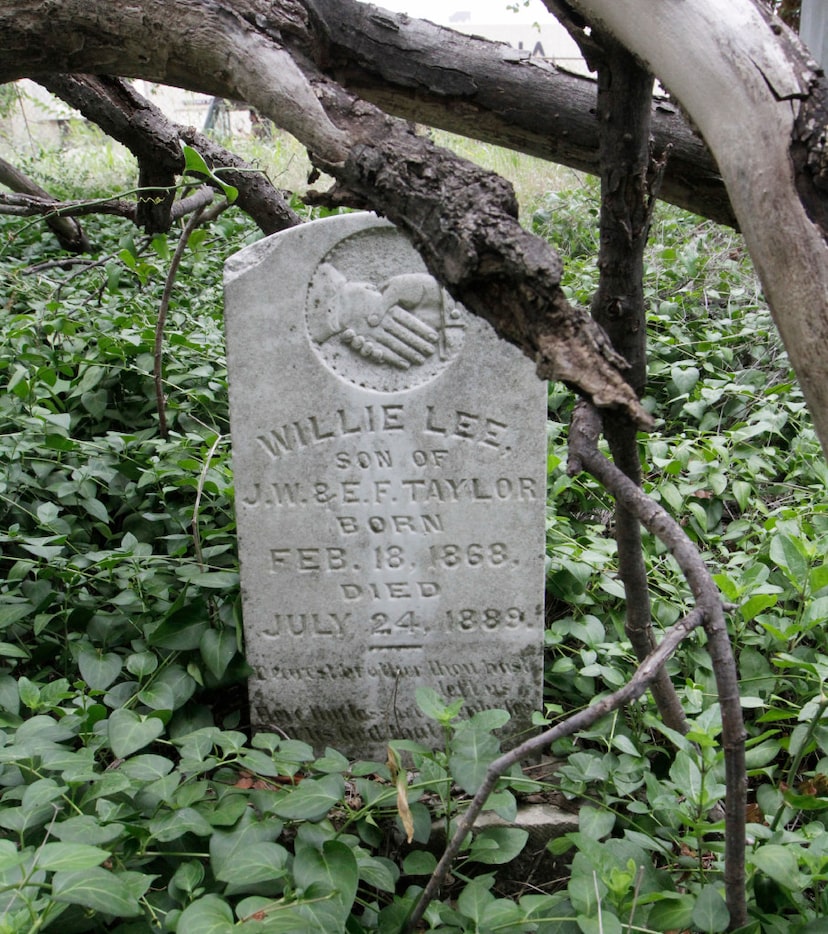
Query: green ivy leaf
x,y
218,647
262,863
475,899
311,799
419,863
472,750
496,845
209,914
65,856
780,864
673,912
378,872
227,847
710,913
171,825
684,378
98,669
332,870
97,889
606,923
432,705
183,629
787,552
128,732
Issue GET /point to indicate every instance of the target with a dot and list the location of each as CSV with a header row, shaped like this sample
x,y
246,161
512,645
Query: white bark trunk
x,y
733,74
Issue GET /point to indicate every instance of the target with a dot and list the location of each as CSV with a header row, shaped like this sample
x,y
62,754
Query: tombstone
x,y
389,453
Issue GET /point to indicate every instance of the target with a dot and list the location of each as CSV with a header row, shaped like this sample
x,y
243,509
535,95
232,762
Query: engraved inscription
x,y
344,424
405,490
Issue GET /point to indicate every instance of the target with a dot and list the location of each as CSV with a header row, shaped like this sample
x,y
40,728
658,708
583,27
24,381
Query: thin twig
x,y
181,246
194,524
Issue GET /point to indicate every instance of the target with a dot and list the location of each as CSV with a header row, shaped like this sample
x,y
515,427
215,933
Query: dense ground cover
x,y
133,797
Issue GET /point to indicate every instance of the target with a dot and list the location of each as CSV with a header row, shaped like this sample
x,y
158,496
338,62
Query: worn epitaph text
x,y
389,457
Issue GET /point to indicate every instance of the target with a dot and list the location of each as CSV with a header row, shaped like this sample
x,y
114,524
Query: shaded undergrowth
x,y
133,796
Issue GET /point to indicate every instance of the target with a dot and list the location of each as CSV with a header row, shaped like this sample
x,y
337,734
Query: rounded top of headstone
x,y
376,317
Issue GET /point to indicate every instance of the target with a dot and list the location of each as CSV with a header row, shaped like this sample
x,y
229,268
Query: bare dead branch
x,y
199,199
34,206
584,455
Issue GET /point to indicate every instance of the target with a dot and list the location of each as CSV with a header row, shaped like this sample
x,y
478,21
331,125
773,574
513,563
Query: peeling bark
x,y
463,221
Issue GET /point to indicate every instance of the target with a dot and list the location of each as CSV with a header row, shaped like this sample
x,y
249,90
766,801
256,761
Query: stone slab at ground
x,y
389,454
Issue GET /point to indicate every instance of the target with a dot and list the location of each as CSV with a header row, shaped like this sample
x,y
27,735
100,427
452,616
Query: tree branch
x,y
158,361
156,142
644,676
627,201
488,91
34,206
69,232
463,221
584,455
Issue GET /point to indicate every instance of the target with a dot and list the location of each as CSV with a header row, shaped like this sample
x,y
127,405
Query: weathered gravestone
x,y
389,454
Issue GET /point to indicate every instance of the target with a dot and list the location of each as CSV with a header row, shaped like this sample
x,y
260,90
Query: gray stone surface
x,y
389,454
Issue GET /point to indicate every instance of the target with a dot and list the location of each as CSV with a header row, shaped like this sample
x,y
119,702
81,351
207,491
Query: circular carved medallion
x,y
377,318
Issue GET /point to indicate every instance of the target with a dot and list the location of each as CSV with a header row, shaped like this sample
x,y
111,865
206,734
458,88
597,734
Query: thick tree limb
x,y
237,49
413,69
463,221
68,231
489,91
133,121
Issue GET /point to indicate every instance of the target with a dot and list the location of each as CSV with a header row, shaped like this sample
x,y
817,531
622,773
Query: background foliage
x,y
133,796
